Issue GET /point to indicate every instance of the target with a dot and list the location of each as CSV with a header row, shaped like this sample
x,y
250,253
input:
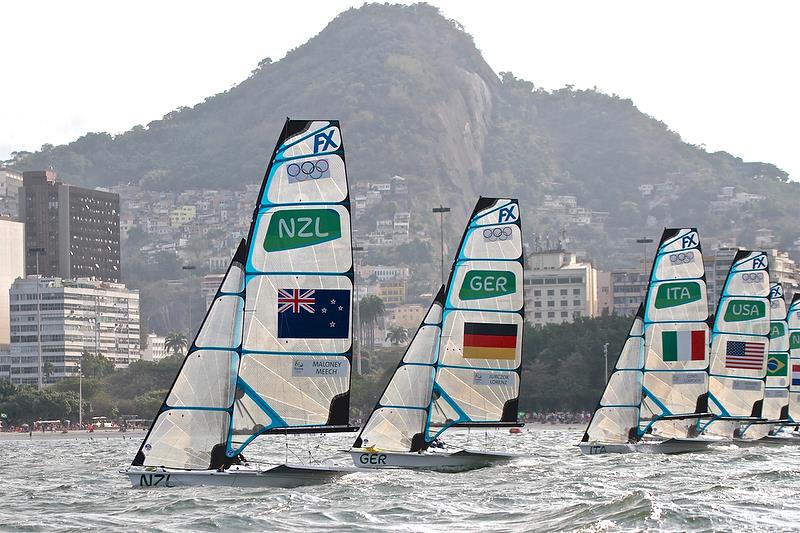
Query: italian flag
x,y
684,345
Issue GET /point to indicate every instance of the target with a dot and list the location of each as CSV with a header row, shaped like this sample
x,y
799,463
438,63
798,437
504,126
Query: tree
x,y
95,366
176,342
370,309
397,335
47,371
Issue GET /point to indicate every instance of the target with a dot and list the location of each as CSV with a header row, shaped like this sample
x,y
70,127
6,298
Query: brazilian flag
x,y
777,365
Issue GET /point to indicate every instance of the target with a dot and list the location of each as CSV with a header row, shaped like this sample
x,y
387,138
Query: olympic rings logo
x,y
753,277
308,170
497,234
681,257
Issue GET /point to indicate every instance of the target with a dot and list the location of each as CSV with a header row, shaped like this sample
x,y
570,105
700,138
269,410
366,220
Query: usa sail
x,y
616,418
739,345
675,383
463,365
273,354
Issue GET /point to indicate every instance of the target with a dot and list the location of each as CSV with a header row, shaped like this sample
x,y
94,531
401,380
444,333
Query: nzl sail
x,y
776,394
275,346
675,382
616,418
793,319
463,365
739,344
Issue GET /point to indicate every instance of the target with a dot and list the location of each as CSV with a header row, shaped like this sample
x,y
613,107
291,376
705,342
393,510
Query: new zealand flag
x,y
313,313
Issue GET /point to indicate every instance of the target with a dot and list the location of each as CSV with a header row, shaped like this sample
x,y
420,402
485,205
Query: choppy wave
x,y
74,485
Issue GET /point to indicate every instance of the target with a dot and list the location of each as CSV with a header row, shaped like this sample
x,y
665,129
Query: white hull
x,y
441,461
668,446
779,440
285,476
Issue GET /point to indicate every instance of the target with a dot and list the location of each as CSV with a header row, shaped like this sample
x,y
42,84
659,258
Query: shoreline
x,y
74,435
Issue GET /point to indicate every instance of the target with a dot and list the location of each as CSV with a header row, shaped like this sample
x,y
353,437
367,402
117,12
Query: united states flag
x,y
744,355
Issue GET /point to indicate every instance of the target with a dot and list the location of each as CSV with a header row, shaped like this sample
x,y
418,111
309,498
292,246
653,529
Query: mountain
x,y
417,99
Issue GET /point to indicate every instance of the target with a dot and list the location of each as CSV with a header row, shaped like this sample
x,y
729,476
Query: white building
x,y
55,321
12,266
559,288
155,350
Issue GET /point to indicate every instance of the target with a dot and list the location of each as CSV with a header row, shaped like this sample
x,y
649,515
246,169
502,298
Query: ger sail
x,y
462,368
275,347
739,346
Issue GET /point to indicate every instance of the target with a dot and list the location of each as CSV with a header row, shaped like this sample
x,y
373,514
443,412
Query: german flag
x,y
490,341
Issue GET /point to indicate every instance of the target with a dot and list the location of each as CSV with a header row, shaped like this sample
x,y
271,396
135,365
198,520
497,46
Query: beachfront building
x,y
559,288
155,350
54,321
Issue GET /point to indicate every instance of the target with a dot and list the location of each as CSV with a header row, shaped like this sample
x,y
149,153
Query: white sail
x,y
463,365
274,351
793,321
675,382
191,429
478,368
776,393
739,344
397,422
616,418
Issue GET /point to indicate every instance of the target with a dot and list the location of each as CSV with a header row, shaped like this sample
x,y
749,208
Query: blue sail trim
x,y
275,419
462,416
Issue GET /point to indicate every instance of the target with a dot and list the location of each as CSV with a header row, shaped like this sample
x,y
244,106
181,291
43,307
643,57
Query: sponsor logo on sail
x,y
297,228
480,284
323,141
753,277
492,378
742,310
747,384
498,234
316,367
677,293
689,378
507,214
776,393
689,240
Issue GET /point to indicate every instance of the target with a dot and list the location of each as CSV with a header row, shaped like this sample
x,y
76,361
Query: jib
x,y
372,458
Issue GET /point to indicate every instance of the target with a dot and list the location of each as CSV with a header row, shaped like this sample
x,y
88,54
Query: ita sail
x,y
274,352
675,382
462,369
739,345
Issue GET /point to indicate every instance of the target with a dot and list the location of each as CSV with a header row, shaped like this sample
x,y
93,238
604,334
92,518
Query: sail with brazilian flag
x,y
793,321
675,379
739,345
776,393
462,368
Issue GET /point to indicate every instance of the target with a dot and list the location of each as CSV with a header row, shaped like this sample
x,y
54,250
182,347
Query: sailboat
x,y
273,353
777,424
462,367
739,346
659,387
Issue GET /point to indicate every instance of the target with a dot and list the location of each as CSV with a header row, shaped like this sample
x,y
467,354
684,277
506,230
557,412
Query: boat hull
x,y
779,440
284,476
668,446
459,461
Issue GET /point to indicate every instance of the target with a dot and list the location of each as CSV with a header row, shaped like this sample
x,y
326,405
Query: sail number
x,y
153,480
596,450
372,459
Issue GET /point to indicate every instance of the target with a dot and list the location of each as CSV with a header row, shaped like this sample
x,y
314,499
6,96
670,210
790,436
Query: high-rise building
x,y
54,321
10,185
12,266
559,288
70,232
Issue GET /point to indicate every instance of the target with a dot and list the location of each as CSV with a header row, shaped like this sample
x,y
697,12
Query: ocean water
x,y
72,485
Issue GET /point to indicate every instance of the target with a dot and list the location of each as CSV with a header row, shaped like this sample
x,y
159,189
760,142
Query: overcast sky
x,y
721,73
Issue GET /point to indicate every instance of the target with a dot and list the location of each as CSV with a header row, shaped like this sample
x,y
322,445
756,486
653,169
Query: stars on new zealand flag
x,y
313,313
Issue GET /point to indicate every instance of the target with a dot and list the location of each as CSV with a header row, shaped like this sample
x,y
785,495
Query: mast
x,y
616,417
479,357
675,380
739,344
